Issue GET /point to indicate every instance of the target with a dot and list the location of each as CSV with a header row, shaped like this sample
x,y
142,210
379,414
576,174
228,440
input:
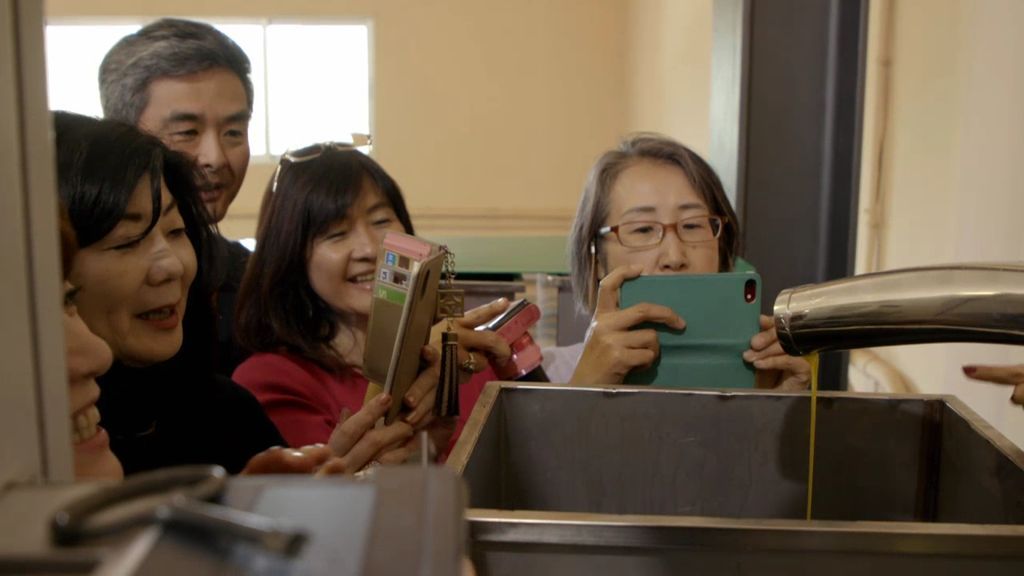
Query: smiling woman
x,y
652,206
305,301
141,287
135,280
88,357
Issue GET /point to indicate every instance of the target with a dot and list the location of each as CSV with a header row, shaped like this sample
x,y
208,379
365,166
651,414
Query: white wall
x,y
951,160
487,112
668,69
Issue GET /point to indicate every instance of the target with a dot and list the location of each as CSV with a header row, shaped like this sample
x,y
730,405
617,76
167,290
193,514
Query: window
x,y
312,81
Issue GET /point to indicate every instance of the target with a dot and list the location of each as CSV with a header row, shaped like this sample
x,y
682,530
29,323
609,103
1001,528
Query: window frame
x,y
266,157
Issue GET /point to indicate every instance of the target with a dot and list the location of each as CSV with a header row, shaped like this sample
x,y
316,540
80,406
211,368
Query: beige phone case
x,y
401,315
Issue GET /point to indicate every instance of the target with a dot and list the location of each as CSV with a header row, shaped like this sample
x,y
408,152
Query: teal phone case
x,y
721,313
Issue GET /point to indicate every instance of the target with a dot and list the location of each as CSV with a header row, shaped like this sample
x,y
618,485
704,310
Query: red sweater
x,y
304,400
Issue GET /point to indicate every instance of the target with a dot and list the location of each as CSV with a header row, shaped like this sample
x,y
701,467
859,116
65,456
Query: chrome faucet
x,y
956,303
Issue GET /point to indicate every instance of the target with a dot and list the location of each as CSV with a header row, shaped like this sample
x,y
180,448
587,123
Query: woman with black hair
x,y
142,288
140,285
304,304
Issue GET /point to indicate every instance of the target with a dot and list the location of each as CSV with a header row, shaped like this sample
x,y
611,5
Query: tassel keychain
x,y
450,305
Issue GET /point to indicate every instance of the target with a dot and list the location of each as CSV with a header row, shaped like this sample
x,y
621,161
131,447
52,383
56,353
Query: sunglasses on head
x,y
304,154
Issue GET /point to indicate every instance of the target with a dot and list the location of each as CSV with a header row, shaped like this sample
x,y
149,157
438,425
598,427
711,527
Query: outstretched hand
x,y
1007,375
278,460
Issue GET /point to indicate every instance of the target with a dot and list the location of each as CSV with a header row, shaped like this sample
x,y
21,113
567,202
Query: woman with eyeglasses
x,y
651,206
304,303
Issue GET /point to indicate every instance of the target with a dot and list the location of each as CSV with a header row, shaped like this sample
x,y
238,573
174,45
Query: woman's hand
x,y
439,434
775,368
355,442
278,460
476,348
612,349
1008,375
420,397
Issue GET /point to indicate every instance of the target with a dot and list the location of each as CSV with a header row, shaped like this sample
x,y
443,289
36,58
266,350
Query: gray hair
x,y
168,47
584,249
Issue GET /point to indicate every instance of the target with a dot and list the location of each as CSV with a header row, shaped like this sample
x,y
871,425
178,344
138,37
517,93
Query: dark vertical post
x,y
797,152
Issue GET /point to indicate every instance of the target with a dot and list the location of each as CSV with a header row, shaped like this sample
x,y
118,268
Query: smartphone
x,y
402,312
513,326
721,313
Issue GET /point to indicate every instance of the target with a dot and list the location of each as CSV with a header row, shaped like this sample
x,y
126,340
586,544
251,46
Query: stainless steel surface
x,y
373,526
642,480
505,542
963,303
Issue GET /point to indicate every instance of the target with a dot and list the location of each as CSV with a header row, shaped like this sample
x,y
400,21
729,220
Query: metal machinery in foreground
x,y
403,520
604,480
608,480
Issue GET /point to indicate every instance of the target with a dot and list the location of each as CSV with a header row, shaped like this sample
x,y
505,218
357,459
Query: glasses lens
x,y
699,229
640,234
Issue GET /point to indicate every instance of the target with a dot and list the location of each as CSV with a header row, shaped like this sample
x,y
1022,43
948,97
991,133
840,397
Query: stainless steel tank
x,y
603,480
654,481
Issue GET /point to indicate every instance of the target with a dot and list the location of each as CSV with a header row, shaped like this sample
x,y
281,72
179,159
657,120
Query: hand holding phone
x,y
722,315
613,346
513,326
401,314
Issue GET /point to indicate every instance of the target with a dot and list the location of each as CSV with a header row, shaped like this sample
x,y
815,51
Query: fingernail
x,y
297,453
758,363
970,370
319,445
748,356
501,300
410,401
384,399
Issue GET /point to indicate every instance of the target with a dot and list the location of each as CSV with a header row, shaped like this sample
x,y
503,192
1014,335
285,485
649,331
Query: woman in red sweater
x,y
304,304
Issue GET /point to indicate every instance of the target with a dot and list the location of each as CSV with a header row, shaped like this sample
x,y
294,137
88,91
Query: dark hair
x,y
593,208
99,165
68,244
277,309
166,48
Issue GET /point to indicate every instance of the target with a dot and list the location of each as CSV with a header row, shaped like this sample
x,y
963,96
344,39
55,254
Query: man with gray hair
x,y
188,84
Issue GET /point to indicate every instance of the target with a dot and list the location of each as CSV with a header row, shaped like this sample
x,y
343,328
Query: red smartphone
x,y
513,326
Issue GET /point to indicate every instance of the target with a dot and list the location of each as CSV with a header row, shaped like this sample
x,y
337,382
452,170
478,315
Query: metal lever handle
x,y
272,534
187,488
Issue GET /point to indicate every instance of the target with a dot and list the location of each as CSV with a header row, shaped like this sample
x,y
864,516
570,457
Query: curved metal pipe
x,y
958,303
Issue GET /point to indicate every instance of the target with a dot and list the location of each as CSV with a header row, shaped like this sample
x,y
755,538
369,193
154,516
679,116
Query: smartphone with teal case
x,y
721,313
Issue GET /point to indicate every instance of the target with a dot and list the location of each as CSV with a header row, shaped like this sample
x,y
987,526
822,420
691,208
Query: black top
x,y
230,260
167,415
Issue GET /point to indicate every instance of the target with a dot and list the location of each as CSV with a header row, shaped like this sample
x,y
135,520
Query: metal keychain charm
x,y
450,305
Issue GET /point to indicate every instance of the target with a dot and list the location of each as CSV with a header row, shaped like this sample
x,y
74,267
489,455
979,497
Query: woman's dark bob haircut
x,y
100,164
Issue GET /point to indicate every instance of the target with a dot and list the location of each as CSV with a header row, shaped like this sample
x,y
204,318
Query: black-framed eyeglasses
x,y
643,234
304,154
